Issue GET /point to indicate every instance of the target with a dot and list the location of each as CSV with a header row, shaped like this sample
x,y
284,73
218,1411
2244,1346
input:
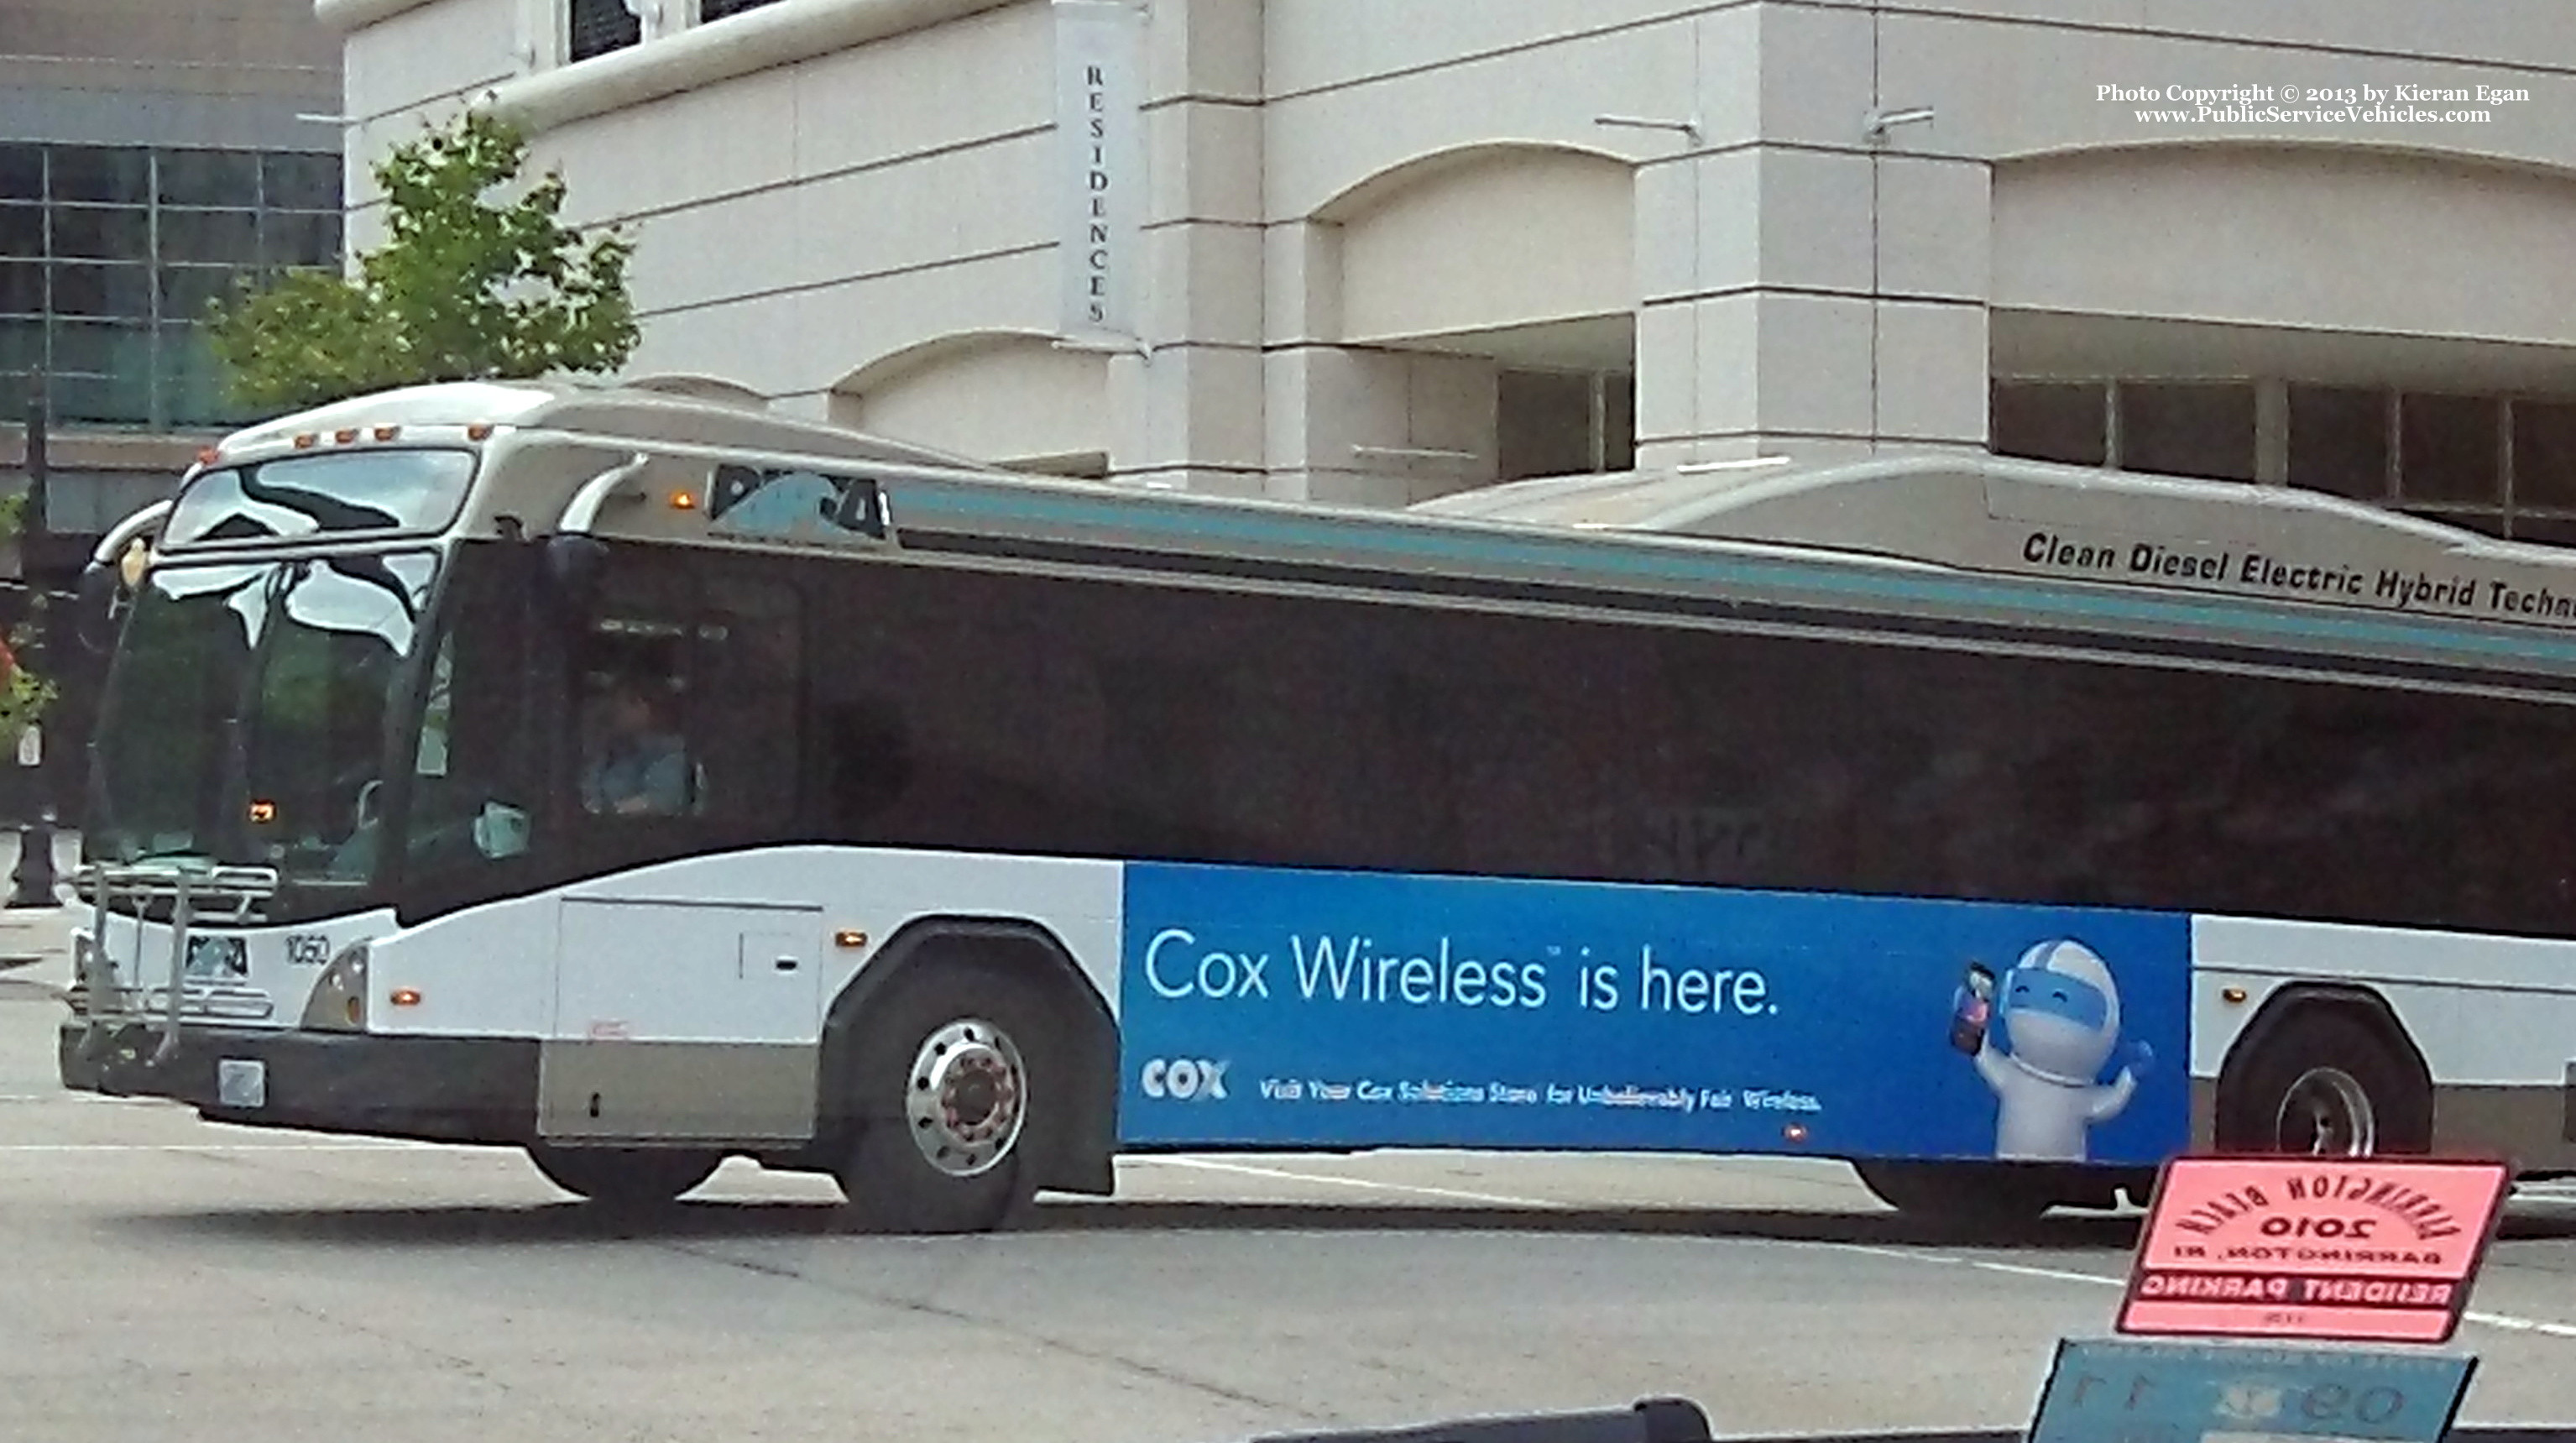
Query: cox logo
x,y
1185,1078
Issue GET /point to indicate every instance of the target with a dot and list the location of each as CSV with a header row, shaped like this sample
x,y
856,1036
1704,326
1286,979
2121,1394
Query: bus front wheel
x,y
1954,1192
955,1089
624,1176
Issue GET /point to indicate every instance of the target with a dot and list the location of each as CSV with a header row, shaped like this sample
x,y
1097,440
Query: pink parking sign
x,y
2371,1249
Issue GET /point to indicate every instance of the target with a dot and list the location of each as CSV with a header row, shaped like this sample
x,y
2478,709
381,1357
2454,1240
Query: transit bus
x,y
645,782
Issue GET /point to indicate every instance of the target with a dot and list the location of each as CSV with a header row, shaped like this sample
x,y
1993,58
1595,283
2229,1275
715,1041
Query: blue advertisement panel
x,y
1285,1009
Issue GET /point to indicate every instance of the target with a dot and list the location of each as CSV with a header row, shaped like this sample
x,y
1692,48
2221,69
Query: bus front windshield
x,y
245,717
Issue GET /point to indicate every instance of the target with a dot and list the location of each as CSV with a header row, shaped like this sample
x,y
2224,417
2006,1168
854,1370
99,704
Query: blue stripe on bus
x,y
1409,543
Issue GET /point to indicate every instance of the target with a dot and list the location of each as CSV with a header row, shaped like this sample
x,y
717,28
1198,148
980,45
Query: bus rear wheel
x,y
624,1177
955,1093
2326,1083
1958,1192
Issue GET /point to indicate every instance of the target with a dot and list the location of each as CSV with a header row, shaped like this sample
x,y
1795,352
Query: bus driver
x,y
641,768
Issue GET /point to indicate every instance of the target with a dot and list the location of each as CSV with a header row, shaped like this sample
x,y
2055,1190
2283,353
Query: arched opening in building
x,y
1495,287
1013,400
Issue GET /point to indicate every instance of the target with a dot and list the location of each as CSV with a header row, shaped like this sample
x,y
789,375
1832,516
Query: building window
x,y
2339,441
2187,429
597,27
289,180
109,259
2202,429
2049,421
90,173
22,173
2503,465
2544,454
1565,423
209,177
22,288
719,9
2450,449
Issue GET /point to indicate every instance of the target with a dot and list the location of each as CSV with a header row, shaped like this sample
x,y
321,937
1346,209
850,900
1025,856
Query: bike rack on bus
x,y
190,888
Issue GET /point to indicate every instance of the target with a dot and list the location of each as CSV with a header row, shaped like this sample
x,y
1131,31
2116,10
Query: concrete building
x,y
151,153
1389,249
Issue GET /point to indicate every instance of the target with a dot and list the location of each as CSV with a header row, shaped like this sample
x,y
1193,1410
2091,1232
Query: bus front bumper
x,y
436,1089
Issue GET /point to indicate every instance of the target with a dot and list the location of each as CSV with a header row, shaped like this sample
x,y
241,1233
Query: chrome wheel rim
x,y
2327,1113
966,1097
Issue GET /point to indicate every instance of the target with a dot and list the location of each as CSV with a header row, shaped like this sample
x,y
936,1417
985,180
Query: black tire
x,y
1959,1193
983,1017
2328,1082
625,1177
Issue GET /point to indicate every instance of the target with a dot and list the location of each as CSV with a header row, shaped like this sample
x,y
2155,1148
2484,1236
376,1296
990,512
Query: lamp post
x,y
33,883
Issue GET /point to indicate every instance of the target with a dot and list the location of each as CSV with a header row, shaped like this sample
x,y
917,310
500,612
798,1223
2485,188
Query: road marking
x,y
1983,1265
2506,1322
2513,1324
1414,1189
387,1146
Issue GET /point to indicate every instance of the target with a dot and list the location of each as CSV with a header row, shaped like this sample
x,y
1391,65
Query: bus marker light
x,y
684,501
1795,1132
344,437
263,811
305,442
387,433
848,937
2231,994
208,456
357,1010
479,431
406,997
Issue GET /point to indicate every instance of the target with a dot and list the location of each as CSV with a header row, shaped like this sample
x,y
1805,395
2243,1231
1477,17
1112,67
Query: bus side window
x,y
687,692
740,719
473,799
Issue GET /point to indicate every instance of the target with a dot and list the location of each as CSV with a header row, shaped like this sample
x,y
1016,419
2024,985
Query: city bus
x,y
645,782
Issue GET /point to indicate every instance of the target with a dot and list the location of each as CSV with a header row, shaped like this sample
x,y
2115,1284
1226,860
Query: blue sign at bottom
x,y
2122,1392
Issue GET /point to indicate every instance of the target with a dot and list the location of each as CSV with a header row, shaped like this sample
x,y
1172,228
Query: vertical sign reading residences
x,y
1100,127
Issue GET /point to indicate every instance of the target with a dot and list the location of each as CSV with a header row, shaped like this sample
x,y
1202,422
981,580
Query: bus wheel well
x,y
2299,1008
1023,950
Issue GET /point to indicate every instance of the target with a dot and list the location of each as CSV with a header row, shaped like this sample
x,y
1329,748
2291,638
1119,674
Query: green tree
x,y
23,694
468,285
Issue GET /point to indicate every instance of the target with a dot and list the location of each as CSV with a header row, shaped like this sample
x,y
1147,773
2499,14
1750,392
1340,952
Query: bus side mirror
x,y
572,569
97,608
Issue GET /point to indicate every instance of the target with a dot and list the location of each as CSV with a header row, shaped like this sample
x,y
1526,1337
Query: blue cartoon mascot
x,y
2060,1015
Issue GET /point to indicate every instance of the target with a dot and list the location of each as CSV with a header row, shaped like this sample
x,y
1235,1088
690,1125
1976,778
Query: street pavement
x,y
172,1279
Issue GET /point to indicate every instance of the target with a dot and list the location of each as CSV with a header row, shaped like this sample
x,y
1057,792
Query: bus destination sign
x,y
2369,1249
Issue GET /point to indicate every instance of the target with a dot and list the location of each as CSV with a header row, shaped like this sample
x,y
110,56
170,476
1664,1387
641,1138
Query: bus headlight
x,y
339,1000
